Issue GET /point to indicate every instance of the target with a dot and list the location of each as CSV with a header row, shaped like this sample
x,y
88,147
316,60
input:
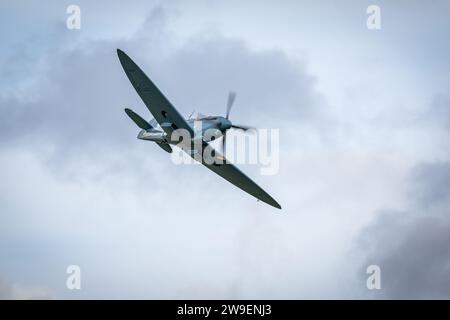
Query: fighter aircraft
x,y
169,120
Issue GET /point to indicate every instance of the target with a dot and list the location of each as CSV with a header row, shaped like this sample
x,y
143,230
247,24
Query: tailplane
x,y
148,130
141,123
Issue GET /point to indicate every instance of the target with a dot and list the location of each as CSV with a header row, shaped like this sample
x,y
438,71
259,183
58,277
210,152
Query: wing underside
x,y
235,176
170,119
159,106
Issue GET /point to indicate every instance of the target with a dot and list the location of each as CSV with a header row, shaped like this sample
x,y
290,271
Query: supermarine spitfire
x,y
169,120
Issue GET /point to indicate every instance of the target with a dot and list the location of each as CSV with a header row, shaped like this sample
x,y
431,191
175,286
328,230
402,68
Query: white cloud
x,y
77,188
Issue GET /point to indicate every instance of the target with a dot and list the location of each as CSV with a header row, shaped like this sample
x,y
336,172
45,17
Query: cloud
x,y
439,113
77,188
10,291
412,246
91,187
81,91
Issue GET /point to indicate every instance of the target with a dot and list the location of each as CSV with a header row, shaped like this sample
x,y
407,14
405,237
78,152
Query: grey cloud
x,y
74,197
432,184
141,227
439,113
412,246
84,90
10,291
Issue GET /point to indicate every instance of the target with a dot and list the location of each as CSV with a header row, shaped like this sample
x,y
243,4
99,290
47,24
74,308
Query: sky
x,y
364,172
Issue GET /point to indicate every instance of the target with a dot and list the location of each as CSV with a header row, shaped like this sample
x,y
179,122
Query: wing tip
x,y
269,200
123,57
275,204
128,111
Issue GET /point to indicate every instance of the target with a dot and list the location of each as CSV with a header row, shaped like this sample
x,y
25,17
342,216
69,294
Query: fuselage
x,y
208,128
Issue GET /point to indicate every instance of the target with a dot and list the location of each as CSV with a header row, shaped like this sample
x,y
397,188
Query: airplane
x,y
169,119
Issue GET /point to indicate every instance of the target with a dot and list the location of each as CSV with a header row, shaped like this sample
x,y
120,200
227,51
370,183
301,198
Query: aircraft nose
x,y
225,124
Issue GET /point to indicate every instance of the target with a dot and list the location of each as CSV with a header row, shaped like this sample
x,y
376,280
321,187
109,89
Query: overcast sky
x,y
364,179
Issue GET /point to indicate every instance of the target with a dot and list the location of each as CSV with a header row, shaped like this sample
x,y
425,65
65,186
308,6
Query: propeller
x,y
231,98
245,128
227,124
224,123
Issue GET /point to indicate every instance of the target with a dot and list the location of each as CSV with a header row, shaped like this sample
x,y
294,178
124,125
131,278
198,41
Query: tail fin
x,y
141,123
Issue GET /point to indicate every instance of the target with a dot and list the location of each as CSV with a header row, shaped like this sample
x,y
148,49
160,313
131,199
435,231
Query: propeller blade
x,y
245,128
141,123
231,97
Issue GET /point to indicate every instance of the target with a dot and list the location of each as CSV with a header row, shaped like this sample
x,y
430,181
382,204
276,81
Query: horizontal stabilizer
x,y
141,123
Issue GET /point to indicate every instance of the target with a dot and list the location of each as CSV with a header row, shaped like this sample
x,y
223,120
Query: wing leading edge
x,y
164,112
159,106
235,176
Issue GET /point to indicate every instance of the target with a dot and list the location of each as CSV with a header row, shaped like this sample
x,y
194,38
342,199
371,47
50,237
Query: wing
x,y
161,108
232,174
